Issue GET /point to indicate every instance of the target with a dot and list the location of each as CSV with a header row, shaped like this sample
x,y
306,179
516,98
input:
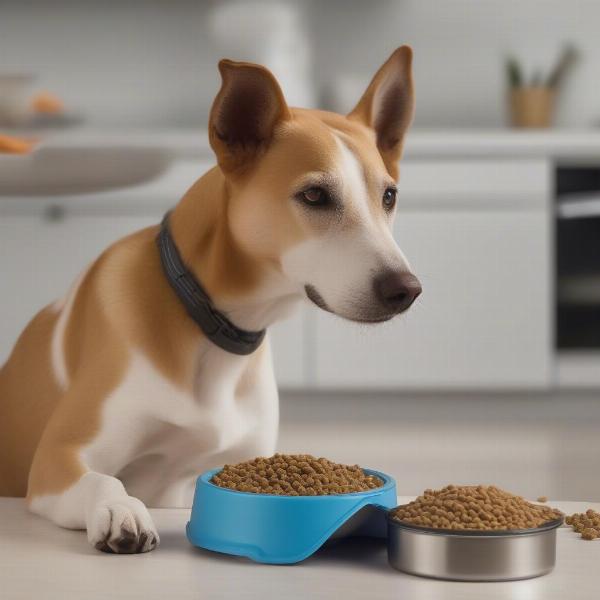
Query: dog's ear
x,y
245,112
387,106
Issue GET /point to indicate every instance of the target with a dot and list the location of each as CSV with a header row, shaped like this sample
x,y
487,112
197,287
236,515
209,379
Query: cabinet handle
x,y
54,213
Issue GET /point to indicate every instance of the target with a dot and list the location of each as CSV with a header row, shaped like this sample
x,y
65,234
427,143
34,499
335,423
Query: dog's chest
x,y
157,436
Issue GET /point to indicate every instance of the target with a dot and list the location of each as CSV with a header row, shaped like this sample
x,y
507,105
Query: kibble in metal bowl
x,y
295,475
481,507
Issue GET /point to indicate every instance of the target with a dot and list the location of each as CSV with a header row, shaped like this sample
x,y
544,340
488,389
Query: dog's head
x,y
313,193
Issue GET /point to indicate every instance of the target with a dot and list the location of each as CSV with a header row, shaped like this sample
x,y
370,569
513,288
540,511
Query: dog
x,y
155,367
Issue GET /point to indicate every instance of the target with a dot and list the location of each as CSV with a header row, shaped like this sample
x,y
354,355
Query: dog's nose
x,y
397,290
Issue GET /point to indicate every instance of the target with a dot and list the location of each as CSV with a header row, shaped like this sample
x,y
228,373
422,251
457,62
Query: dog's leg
x,y
115,522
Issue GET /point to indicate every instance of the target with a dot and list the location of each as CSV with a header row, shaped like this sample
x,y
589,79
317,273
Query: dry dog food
x,y
587,524
474,507
295,475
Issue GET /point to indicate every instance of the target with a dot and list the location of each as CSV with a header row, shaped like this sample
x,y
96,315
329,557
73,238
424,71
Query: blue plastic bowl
x,y
282,529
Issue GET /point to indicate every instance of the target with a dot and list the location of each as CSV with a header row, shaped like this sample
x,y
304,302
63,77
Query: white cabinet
x,y
41,253
44,249
290,343
477,232
484,319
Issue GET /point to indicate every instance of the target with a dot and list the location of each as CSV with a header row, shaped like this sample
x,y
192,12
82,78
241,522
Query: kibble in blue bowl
x,y
283,508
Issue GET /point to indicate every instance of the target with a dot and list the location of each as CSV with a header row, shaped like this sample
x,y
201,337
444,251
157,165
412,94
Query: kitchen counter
x,y
39,560
563,145
560,144
189,155
451,154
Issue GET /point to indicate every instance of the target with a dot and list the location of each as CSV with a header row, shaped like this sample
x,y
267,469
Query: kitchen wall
x,y
459,50
152,63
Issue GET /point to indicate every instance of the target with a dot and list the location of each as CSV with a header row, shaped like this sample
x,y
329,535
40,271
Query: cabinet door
x,y
40,256
289,341
483,320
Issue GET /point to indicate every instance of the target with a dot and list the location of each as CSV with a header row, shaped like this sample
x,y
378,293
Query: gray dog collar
x,y
215,325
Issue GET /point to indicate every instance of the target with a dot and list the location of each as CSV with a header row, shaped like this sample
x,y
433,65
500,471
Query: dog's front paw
x,y
121,526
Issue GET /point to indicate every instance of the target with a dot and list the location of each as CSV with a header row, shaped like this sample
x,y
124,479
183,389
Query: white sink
x,y
59,169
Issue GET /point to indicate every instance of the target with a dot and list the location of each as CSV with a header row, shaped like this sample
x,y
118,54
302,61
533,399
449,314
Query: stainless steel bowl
x,y
472,555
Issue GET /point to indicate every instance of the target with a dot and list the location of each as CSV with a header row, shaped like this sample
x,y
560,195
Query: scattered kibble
x,y
587,524
295,475
474,507
589,533
542,499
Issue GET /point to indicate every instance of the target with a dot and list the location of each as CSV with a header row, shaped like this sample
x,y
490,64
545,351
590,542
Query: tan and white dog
x,y
113,399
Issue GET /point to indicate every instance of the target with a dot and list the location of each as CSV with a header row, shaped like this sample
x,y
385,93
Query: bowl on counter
x,y
283,529
472,555
59,167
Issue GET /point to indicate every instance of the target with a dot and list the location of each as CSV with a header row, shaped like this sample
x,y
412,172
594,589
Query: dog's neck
x,y
252,293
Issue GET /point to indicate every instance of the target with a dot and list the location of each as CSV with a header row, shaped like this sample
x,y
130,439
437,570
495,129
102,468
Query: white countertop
x,y
40,560
189,156
562,144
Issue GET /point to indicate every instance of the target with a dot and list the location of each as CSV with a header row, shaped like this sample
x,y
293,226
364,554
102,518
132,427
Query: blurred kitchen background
x,y
494,374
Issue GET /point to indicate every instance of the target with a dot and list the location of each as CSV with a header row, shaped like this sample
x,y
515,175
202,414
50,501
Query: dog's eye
x,y
315,196
389,198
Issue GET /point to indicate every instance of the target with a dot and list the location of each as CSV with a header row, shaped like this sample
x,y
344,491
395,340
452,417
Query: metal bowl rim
x,y
492,533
